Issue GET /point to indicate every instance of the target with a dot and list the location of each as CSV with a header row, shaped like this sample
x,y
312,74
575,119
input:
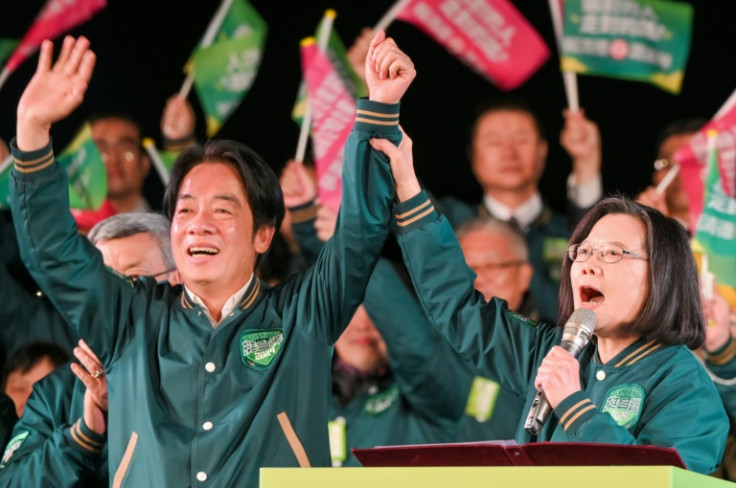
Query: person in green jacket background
x,y
636,382
214,379
61,437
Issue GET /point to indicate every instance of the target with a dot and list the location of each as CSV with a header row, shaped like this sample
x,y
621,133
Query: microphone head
x,y
582,318
577,331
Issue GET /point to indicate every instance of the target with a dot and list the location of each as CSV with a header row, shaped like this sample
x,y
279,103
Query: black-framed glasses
x,y
134,278
610,253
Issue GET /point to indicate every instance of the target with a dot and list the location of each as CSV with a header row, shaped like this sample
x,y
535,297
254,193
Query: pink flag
x,y
491,36
57,16
693,159
333,115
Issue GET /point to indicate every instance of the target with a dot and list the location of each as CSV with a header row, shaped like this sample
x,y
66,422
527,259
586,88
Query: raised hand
x,y
402,165
388,71
54,91
581,139
652,198
92,374
297,185
178,120
718,320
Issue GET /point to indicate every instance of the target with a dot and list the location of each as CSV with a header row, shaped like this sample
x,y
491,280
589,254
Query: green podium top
x,y
498,477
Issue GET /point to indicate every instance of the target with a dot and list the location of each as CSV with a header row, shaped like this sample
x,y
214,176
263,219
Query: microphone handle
x,y
538,413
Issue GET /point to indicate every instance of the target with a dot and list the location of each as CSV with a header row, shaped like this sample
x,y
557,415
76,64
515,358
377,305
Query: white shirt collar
x,y
229,306
525,214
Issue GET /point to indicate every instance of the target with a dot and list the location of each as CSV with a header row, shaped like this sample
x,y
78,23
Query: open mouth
x,y
590,295
203,251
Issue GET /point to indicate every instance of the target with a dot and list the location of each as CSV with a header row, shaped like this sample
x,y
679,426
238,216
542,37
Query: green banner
x,y
85,170
338,56
716,231
224,71
641,40
7,47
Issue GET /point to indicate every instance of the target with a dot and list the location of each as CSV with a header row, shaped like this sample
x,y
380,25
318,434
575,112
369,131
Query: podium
x,y
496,477
502,464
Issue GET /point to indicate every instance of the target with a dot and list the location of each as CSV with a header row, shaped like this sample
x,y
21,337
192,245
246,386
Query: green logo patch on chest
x,y
381,402
624,403
12,448
259,347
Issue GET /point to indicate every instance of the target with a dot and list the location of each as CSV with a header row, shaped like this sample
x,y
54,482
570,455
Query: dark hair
x,y
679,126
672,312
124,116
505,104
262,188
28,356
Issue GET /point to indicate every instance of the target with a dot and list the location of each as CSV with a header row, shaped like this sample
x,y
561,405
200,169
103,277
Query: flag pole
x,y
726,106
6,164
209,36
568,77
150,148
4,76
391,15
323,38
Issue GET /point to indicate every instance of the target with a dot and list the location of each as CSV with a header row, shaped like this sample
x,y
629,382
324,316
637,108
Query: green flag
x,y
642,40
225,70
5,182
715,235
7,47
338,56
85,170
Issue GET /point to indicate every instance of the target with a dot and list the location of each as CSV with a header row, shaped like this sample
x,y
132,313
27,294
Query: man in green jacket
x,y
214,379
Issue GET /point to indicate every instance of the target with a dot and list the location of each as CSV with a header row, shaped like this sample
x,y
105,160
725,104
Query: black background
x,y
142,46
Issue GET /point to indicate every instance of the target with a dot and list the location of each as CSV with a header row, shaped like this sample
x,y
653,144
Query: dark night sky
x,y
142,46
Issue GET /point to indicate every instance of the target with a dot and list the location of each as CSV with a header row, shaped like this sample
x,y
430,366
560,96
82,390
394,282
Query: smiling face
x,y
508,153
615,292
212,235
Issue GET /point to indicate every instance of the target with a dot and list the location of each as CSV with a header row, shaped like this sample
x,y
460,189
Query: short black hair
x,y
112,114
262,188
508,103
672,312
679,126
28,356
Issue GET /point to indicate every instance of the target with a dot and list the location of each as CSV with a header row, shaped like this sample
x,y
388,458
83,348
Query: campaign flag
x,y
333,114
693,159
7,46
338,56
641,40
56,17
715,235
225,70
490,36
85,171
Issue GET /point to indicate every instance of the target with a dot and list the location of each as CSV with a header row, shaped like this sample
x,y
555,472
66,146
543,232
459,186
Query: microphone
x,y
575,336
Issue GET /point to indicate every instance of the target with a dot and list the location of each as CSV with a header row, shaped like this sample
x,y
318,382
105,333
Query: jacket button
x,y
601,375
208,425
210,367
202,476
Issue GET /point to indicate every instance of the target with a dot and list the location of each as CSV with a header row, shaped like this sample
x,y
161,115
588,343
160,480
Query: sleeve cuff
x,y
416,211
724,354
85,438
178,145
28,162
586,195
378,118
575,410
304,213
